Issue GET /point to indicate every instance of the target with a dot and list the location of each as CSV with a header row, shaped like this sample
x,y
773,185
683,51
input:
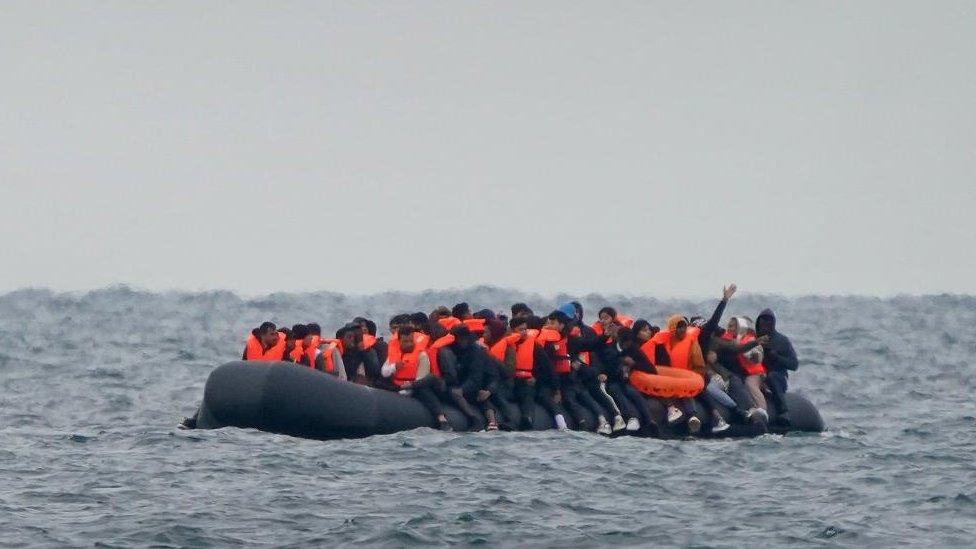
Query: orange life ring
x,y
668,382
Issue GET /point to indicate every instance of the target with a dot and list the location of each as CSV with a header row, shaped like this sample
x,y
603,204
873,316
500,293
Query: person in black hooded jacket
x,y
778,358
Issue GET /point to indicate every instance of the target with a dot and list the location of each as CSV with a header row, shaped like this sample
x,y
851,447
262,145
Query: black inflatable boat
x,y
293,400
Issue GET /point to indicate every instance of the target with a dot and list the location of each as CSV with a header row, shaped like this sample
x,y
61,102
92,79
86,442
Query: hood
x,y
745,326
673,321
568,310
768,314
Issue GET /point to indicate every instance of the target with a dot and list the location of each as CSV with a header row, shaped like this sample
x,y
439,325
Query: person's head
x,y
484,314
300,331
461,310
314,329
405,335
440,312
437,331
463,338
607,315
579,309
697,321
765,323
370,327
625,338
533,322
289,339
419,322
521,310
678,326
398,321
569,311
350,335
642,330
518,324
733,326
711,357
494,330
361,322
745,326
267,333
558,320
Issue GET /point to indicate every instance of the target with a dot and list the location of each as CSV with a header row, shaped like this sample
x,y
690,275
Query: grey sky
x,y
649,147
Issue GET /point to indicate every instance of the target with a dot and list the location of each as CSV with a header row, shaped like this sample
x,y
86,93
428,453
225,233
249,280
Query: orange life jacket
x,y
407,367
328,359
525,355
750,368
256,351
420,341
561,363
449,322
623,320
368,341
309,353
476,325
680,351
438,344
500,347
649,347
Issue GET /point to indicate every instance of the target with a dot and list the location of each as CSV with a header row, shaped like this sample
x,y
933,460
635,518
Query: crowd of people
x,y
495,367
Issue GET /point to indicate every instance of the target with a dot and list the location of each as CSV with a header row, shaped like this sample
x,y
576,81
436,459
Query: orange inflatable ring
x,y
668,382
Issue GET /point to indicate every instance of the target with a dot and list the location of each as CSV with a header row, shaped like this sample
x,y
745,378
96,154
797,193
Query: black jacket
x,y
778,355
475,369
612,361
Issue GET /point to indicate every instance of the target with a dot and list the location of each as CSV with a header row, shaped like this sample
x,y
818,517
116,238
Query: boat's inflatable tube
x,y
293,400
668,382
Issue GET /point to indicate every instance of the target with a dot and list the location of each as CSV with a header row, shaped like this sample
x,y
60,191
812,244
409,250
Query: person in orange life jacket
x,y
440,312
683,353
500,345
290,342
361,365
779,358
411,375
264,343
608,315
561,352
619,355
377,343
728,349
322,355
535,379
447,363
478,376
744,357
302,337
585,363
521,310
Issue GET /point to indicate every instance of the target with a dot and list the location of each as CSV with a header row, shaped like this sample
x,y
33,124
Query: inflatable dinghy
x,y
285,398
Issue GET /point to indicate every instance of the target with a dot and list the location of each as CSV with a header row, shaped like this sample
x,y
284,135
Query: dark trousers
x,y
425,390
776,382
545,395
502,401
525,396
739,393
571,392
618,393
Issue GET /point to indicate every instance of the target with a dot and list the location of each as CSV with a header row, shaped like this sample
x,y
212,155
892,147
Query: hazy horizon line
x,y
472,288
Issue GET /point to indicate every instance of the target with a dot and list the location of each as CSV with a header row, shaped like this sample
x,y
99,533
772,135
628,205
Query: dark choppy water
x,y
93,385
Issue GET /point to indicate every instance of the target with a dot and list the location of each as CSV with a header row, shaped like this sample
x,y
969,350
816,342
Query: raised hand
x,y
728,291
